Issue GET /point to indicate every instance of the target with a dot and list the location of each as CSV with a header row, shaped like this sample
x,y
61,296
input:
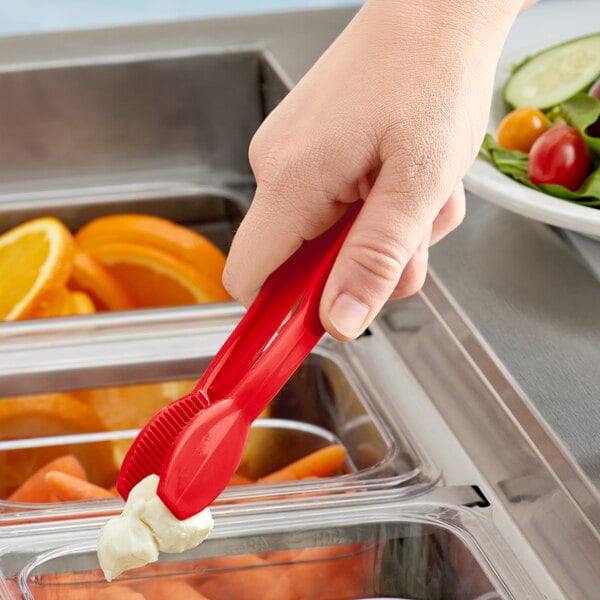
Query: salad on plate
x,y
549,138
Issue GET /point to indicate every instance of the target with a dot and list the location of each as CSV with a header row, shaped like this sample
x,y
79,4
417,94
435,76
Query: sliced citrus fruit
x,y
81,303
131,406
55,305
105,290
35,261
65,303
158,232
155,277
50,415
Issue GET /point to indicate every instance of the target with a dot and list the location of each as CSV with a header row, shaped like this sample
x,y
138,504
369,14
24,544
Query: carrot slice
x,y
118,592
321,463
244,577
332,572
45,415
34,489
164,589
69,488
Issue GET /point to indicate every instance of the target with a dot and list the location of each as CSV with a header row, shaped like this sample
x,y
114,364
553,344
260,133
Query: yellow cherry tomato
x,y
520,128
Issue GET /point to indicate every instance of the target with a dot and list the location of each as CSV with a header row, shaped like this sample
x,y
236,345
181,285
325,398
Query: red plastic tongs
x,y
195,444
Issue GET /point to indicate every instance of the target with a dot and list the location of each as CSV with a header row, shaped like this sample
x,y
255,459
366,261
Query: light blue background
x,y
31,16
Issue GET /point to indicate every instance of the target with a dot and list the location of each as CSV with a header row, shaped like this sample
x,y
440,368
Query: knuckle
x,y
256,150
408,288
380,265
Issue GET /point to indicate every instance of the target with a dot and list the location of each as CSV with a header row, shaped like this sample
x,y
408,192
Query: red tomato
x,y
559,156
520,128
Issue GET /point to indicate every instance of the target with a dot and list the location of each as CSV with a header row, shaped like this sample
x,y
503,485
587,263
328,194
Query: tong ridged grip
x,y
148,450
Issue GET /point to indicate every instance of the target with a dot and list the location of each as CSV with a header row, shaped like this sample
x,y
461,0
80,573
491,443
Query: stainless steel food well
x,y
140,132
164,135
429,551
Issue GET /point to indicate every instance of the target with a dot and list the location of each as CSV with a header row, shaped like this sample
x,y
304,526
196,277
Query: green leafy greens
x,y
579,111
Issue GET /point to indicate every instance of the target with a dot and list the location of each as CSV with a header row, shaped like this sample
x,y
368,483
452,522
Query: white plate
x,y
485,181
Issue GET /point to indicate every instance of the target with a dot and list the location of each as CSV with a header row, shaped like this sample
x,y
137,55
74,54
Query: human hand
x,y
393,112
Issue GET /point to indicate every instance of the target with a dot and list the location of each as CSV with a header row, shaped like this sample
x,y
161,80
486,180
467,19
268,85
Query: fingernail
x,y
348,315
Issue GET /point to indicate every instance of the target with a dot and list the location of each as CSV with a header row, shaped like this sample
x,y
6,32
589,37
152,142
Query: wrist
x,y
487,21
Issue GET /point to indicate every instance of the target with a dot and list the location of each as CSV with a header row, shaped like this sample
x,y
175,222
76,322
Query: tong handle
x,y
205,454
301,332
303,274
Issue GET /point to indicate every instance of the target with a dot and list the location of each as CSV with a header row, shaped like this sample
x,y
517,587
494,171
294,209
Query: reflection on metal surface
x,y
528,471
79,129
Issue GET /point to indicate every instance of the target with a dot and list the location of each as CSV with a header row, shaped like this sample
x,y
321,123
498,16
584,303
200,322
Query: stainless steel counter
x,y
535,301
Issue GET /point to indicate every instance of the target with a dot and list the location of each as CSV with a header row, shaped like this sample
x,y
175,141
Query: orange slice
x,y
160,233
35,261
55,305
105,290
64,303
49,415
131,406
81,304
154,277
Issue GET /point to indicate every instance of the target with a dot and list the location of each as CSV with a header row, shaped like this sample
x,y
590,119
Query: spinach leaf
x,y
581,111
588,194
510,162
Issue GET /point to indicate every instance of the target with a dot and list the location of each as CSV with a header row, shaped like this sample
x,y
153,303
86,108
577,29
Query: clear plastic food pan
x,y
327,401
416,551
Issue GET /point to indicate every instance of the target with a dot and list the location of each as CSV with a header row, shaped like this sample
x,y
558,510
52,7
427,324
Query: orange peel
x,y
160,233
154,277
104,290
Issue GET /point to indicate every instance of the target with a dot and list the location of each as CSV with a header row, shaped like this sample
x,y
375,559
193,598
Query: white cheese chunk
x,y
145,527
125,543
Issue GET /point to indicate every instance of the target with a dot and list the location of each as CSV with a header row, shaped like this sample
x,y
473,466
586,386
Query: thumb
x,y
386,234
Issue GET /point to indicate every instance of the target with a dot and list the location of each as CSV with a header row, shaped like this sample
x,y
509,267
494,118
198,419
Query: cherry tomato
x,y
559,156
520,128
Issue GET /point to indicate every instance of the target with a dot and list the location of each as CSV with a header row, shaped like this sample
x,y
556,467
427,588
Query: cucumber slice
x,y
554,74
